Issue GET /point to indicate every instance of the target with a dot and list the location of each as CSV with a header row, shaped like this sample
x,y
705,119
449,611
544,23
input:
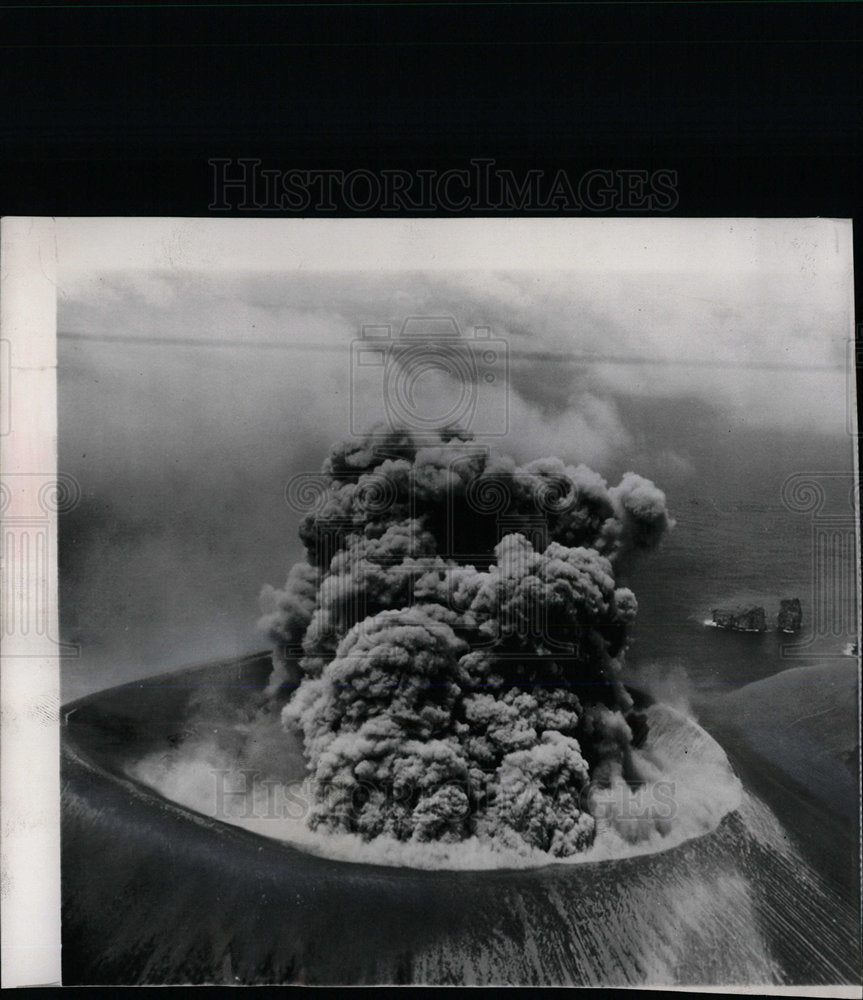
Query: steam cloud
x,y
459,639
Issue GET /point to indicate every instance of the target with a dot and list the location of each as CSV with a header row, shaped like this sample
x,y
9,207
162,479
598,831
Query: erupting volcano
x,y
460,636
474,729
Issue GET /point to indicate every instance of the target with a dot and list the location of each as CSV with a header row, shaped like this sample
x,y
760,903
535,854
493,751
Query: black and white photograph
x,y
452,602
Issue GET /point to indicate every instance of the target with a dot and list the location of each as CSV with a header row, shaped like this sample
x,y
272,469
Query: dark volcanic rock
x,y
741,620
156,894
790,615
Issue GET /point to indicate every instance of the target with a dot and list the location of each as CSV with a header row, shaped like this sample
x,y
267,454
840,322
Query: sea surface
x,y
733,554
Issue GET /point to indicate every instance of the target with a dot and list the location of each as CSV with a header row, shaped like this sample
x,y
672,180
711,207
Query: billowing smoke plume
x,y
460,636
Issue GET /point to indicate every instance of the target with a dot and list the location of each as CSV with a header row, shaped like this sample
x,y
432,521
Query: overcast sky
x,y
686,308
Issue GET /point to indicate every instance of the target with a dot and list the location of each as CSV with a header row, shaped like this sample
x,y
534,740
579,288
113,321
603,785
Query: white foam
x,y
689,787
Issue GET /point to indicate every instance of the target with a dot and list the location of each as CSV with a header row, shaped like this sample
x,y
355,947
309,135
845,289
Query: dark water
x,y
721,557
142,618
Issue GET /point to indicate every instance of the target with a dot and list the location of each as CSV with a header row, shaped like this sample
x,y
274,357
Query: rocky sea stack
x,y
752,619
790,616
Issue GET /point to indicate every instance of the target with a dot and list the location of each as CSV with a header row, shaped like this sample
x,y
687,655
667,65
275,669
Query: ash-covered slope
x,y
154,893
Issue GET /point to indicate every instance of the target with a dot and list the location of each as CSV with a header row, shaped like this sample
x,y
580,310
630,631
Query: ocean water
x,y
136,603
735,554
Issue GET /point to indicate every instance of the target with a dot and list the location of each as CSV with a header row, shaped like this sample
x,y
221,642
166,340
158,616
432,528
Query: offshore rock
x,y
752,619
790,616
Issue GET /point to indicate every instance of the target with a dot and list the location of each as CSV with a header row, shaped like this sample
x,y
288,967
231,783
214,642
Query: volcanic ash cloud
x,y
460,637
